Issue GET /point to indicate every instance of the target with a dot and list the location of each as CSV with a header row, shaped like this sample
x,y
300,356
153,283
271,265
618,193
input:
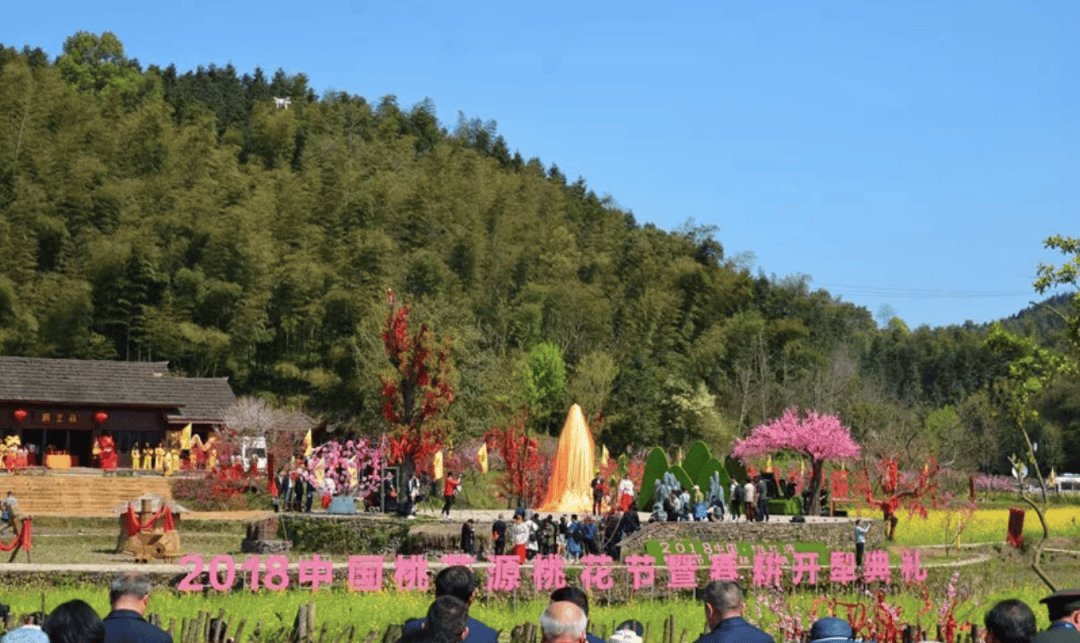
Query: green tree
x,y
543,380
97,65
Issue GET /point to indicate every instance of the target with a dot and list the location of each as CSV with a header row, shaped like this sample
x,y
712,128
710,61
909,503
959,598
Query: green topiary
x,y
655,466
736,469
695,459
713,465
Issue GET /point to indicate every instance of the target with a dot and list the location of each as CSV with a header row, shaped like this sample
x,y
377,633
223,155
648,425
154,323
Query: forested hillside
x,y
191,217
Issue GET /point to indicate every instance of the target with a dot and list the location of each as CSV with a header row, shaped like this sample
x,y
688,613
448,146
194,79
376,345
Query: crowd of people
x,y
529,535
76,621
564,620
748,501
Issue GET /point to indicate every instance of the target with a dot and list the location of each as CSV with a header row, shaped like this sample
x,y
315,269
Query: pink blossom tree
x,y
343,469
816,437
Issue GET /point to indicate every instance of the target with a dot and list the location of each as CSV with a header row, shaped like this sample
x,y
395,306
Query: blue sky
x,y
911,154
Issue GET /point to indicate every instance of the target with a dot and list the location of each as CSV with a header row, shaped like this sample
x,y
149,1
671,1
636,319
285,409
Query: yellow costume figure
x,y
175,453
159,458
148,458
135,455
11,445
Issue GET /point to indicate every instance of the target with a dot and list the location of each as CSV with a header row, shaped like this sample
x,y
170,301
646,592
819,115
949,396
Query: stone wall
x,y
836,534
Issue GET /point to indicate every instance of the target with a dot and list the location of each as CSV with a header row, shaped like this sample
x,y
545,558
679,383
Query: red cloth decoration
x,y
325,501
273,488
100,417
20,415
167,523
132,524
22,540
1016,528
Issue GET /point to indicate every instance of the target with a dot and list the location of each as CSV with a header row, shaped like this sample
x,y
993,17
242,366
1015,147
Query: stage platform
x,y
77,491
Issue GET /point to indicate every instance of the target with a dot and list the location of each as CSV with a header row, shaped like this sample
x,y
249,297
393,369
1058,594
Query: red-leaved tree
x,y
525,478
901,488
819,438
418,391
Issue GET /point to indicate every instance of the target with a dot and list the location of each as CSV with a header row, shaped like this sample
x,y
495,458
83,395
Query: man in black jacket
x,y
498,535
723,613
457,581
129,594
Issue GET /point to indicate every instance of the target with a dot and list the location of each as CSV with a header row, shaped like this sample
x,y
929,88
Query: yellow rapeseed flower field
x,y
982,526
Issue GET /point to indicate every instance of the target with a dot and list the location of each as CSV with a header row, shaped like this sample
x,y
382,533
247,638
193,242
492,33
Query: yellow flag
x,y
307,444
768,465
604,457
185,437
1053,478
481,458
437,466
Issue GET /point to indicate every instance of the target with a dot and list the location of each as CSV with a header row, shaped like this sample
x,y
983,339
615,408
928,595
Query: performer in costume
x,y
105,448
159,457
136,463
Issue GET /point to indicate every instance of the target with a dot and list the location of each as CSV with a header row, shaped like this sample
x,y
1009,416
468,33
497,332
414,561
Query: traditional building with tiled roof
x,y
64,404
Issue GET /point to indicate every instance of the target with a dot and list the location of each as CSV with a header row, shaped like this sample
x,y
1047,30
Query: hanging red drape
x,y
1015,535
132,524
167,523
22,540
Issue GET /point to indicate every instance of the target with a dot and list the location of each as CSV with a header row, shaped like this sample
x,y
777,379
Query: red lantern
x,y
20,415
100,417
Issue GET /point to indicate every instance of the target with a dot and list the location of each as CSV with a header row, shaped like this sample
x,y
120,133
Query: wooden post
x,y
311,625
301,624
239,631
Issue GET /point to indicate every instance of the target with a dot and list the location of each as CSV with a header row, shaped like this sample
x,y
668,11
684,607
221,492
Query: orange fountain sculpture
x,y
569,487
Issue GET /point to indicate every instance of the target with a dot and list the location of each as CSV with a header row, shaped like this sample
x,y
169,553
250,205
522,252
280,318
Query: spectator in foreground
x,y
446,622
29,632
74,622
830,630
1010,621
457,581
129,595
563,622
627,632
723,614
1064,611
577,597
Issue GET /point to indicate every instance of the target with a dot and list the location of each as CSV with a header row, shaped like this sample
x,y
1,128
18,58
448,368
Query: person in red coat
x,y
450,489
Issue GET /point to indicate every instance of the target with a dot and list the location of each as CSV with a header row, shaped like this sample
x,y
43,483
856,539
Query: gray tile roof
x,y
35,379
202,398
97,382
